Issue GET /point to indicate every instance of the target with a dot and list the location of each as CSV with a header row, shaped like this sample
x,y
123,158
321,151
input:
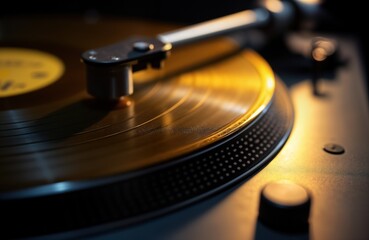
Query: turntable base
x,y
186,156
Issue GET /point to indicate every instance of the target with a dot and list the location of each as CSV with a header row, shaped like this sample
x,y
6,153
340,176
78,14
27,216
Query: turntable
x,y
96,143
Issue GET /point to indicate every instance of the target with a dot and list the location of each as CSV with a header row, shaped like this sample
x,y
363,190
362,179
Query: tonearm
x,y
109,69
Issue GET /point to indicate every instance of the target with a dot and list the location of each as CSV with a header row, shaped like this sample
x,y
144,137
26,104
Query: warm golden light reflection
x,y
224,76
328,46
275,6
322,48
310,2
167,119
237,109
124,102
305,105
286,193
319,54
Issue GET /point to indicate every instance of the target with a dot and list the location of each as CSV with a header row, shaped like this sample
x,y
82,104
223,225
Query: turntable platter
x,y
167,118
221,112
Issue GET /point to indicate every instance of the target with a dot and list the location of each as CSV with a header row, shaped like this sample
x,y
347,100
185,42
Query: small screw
x,y
143,46
333,148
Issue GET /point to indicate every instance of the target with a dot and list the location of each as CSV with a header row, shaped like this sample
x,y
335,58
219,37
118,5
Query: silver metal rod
x,y
220,26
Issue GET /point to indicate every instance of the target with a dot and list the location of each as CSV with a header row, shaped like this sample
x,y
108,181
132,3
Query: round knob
x,y
285,206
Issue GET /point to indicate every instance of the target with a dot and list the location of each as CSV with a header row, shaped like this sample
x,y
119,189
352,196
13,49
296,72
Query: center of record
x,y
25,70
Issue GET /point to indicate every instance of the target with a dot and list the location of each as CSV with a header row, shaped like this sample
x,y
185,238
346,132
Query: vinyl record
x,y
201,123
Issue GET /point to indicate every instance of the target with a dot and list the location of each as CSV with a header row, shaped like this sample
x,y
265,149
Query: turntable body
x,y
338,182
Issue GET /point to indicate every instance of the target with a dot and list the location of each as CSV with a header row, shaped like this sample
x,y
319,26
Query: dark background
x,y
339,17
342,16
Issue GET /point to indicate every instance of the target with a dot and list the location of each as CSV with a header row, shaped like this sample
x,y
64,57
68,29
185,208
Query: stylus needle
x,y
109,69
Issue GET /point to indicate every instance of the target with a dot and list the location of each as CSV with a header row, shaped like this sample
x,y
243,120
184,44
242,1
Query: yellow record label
x,y
27,70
